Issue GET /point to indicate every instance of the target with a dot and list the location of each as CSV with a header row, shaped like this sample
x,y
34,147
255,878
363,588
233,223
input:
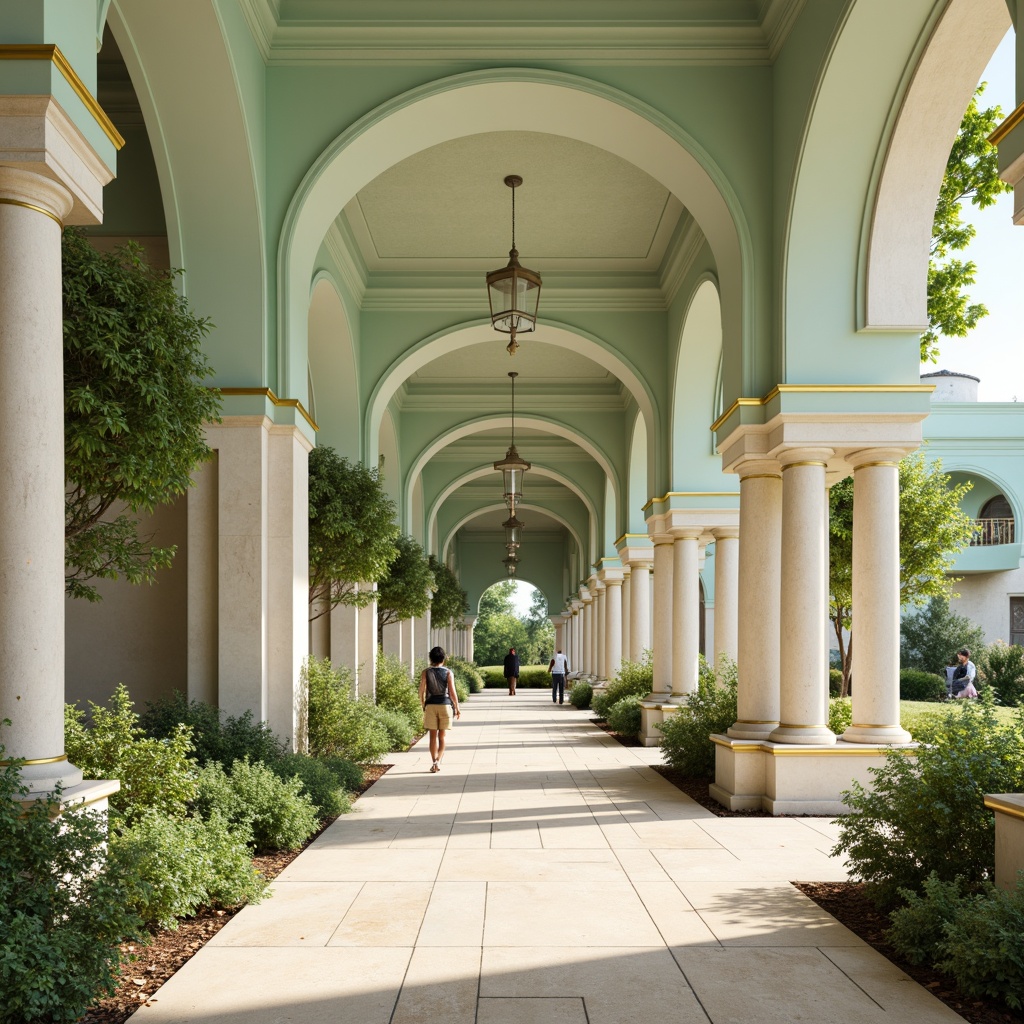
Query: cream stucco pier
x,y
547,875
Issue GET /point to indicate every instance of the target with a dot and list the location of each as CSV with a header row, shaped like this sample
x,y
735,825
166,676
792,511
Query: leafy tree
x,y
498,627
405,592
540,632
930,635
933,528
351,531
971,174
449,603
134,409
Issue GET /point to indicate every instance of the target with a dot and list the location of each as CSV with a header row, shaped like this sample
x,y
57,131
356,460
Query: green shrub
x,y
350,776
930,636
840,714
174,866
633,678
339,724
215,737
835,682
927,813
1002,667
918,685
320,782
686,743
918,929
64,907
400,734
273,812
530,677
155,774
469,672
461,689
581,694
624,716
396,690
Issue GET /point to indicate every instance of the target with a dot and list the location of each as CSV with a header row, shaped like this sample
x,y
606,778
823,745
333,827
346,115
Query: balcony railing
x,y
992,531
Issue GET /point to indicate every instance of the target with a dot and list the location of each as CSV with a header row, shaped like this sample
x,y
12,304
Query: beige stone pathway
x,y
547,875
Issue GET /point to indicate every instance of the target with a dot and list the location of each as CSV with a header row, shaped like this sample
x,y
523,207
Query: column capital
x,y
576,604
725,532
805,456
611,577
754,469
585,595
877,457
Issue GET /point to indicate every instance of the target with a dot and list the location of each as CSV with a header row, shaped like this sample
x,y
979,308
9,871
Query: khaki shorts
x,y
437,716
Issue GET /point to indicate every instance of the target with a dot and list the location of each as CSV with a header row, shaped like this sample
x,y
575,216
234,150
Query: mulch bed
x,y
849,904
168,951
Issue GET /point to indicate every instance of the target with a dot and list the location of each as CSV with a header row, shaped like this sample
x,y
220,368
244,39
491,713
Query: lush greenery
x,y
926,813
933,528
634,678
404,592
498,628
624,715
135,406
686,736
918,685
976,937
64,907
1002,668
449,603
339,723
352,531
398,692
931,636
972,174
581,695
468,672
530,676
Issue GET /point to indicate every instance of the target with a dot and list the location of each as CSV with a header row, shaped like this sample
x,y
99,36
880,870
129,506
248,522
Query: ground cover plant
x,y
634,678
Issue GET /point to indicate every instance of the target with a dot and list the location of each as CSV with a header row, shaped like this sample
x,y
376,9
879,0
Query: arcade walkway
x,y
547,875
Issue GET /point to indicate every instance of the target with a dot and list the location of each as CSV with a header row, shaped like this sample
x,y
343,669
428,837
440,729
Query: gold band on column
x,y
37,209
788,725
762,476
36,760
868,465
805,462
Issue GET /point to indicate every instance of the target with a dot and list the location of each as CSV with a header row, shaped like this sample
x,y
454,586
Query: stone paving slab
x,y
546,875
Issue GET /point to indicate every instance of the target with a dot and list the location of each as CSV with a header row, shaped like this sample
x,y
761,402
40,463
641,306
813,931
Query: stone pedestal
x,y
1009,811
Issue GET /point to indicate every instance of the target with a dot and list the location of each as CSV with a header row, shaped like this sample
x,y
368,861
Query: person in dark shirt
x,y
439,702
511,670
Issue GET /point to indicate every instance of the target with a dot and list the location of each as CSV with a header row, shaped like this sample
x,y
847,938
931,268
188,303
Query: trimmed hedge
x,y
918,685
530,676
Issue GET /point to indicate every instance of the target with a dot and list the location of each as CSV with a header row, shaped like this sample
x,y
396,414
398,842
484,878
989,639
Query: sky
x,y
994,351
524,591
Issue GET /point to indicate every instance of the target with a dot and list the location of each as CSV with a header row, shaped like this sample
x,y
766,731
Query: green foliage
x,y
918,685
274,813
835,682
540,632
971,173
135,406
534,677
840,714
350,775
633,678
63,907
396,725
215,737
624,716
1002,668
581,694
339,724
686,743
467,671
927,813
397,692
930,636
498,628
405,591
918,929
449,603
933,529
173,866
352,531
155,774
322,782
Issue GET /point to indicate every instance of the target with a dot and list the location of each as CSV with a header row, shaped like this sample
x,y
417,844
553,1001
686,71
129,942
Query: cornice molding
x,y
680,257
777,20
474,300
350,267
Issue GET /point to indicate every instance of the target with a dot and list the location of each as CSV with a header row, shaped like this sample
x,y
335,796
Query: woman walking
x,y
439,701
511,670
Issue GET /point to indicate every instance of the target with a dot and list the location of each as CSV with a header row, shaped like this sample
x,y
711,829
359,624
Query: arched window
x,y
995,523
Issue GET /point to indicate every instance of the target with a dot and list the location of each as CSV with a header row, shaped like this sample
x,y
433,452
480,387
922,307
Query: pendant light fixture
x,y
513,291
513,532
512,467
511,563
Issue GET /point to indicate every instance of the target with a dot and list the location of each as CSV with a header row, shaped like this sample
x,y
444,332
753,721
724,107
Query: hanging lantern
x,y
513,532
512,467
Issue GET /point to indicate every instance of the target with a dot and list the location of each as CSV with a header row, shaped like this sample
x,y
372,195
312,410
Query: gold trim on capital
x,y
37,209
886,463
1003,808
689,494
761,476
50,52
1009,123
780,389
805,462
291,403
37,760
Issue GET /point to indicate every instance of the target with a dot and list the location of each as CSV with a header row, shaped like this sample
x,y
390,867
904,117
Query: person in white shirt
x,y
964,676
559,669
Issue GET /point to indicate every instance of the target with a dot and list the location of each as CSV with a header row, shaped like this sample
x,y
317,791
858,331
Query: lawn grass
x,y
916,713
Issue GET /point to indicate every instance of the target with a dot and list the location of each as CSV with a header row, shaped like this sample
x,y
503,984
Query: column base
x,y
653,712
93,793
890,734
44,777
741,730
805,736
791,779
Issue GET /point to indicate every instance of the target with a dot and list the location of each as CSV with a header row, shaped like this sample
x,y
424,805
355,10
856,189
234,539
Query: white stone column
x,y
726,594
758,615
612,601
586,633
391,637
686,553
203,584
876,598
345,639
597,589
663,642
366,664
803,715
470,621
627,601
32,462
576,657
558,621
639,606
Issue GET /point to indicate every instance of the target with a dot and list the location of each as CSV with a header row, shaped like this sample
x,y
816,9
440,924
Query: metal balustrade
x,y
992,531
